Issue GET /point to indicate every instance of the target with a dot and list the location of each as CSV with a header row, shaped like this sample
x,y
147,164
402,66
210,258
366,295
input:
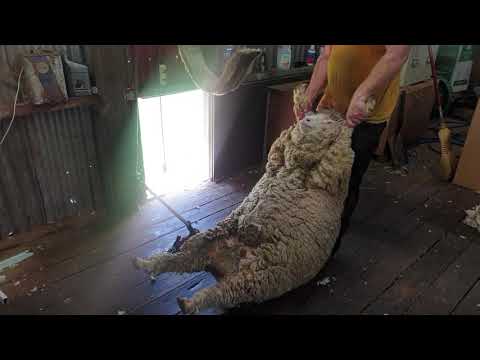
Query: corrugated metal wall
x,y
48,162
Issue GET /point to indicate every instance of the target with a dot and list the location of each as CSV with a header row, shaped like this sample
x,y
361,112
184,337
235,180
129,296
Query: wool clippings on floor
x,y
473,218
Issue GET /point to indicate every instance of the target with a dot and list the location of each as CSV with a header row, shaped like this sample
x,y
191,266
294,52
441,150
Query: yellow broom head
x,y
446,157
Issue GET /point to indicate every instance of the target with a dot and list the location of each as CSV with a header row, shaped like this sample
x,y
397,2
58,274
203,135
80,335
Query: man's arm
x,y
318,79
377,81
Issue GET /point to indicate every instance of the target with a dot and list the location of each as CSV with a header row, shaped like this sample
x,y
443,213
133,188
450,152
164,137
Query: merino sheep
x,y
283,233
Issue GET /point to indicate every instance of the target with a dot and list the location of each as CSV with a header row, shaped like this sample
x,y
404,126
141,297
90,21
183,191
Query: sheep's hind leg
x,y
192,257
182,262
244,287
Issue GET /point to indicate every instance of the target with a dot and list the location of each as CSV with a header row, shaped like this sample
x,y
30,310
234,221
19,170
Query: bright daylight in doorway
x,y
175,142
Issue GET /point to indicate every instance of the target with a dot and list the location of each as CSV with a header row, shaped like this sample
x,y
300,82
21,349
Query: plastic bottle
x,y
228,51
310,56
284,57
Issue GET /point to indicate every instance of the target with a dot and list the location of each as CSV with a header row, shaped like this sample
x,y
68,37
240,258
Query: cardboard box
x,y
468,170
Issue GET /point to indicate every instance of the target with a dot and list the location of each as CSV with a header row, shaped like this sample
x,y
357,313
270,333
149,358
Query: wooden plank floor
x,y
406,252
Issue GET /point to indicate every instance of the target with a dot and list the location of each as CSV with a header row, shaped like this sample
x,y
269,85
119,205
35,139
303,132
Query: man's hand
x,y
357,111
377,82
302,109
317,83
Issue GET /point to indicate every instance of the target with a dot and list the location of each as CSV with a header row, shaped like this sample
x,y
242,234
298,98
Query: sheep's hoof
x,y
136,263
186,306
142,264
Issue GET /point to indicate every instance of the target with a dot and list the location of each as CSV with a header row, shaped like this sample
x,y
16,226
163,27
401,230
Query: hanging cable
x,y
14,108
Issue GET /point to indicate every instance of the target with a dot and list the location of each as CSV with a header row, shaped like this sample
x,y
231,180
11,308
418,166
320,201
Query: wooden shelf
x,y
28,109
279,77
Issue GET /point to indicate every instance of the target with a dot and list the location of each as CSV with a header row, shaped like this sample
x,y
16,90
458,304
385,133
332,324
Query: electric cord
x,y
14,108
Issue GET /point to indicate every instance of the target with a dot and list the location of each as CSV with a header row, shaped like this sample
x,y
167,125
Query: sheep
x,y
284,231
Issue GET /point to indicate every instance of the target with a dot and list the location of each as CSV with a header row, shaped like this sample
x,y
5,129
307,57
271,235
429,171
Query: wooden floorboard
x,y
412,282
101,283
449,289
70,277
367,261
372,259
61,255
470,304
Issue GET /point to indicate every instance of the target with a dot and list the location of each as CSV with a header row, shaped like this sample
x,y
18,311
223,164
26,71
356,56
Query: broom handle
x,y
435,85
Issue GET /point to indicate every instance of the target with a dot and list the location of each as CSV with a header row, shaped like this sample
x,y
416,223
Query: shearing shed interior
x,y
239,179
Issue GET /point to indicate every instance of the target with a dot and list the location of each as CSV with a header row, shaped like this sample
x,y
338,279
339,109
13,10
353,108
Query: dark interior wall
x,y
146,61
280,116
49,163
116,126
475,77
238,130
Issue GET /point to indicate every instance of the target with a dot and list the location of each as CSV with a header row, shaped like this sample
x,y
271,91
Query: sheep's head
x,y
314,135
323,126
320,145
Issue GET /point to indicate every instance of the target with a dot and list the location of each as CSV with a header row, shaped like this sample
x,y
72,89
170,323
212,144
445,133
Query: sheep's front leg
x,y
244,287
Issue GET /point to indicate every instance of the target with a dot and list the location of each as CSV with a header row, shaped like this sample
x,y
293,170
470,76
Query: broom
x,y
444,133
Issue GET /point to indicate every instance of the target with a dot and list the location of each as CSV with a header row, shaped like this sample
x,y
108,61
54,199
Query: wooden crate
x,y
409,121
418,103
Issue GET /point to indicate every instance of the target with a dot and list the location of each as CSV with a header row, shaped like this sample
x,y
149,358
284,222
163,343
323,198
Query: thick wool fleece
x,y
283,233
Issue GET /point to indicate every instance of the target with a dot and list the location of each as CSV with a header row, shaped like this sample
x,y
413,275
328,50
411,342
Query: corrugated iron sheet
x,y
20,201
48,162
49,169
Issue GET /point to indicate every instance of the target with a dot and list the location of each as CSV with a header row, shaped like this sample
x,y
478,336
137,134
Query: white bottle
x,y
284,57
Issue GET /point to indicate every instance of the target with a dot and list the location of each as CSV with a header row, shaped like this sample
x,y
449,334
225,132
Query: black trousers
x,y
365,139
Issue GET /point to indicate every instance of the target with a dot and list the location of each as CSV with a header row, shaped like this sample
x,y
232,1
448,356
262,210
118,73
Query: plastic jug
x,y
284,57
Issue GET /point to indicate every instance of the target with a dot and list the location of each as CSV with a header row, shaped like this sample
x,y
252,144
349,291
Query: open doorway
x,y
175,141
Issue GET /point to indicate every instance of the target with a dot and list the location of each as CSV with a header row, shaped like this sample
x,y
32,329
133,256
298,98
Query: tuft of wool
x,y
473,217
299,97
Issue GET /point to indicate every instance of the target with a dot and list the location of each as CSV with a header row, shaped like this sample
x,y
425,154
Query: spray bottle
x,y
310,56
228,51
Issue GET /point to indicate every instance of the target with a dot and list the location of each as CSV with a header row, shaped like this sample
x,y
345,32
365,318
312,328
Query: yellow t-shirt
x,y
348,67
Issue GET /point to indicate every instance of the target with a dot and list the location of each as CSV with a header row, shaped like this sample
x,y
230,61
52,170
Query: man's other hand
x,y
357,111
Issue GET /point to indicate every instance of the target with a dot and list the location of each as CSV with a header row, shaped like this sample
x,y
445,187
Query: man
x,y
352,74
